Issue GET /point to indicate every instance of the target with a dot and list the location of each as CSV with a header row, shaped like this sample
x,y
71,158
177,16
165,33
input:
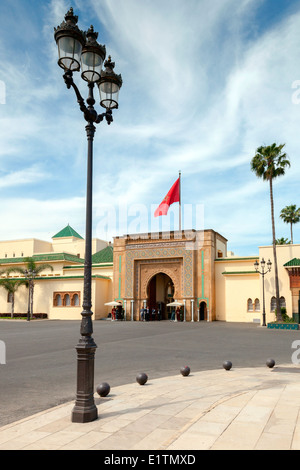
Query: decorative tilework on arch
x,y
154,253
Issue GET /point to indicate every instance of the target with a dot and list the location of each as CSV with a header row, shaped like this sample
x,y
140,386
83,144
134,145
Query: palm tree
x,y
11,286
268,163
290,215
31,267
282,241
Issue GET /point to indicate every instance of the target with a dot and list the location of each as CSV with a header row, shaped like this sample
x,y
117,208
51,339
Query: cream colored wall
x,y
105,270
44,289
21,296
102,291
43,298
23,248
76,246
234,290
29,247
40,246
239,288
21,301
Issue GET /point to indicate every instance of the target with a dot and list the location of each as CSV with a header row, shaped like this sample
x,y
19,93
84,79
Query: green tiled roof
x,y
45,257
239,272
246,258
68,231
293,262
103,256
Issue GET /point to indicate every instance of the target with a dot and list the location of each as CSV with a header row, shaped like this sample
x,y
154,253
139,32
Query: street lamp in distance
x,y
263,273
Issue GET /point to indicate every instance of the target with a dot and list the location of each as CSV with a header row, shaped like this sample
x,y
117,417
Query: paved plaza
x,y
240,409
248,407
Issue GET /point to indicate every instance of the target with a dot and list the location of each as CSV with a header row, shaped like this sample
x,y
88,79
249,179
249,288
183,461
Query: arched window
x,y
257,305
282,302
75,300
66,299
249,305
273,304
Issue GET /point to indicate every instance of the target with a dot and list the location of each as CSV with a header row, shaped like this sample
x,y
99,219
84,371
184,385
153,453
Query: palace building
x,y
155,269
192,269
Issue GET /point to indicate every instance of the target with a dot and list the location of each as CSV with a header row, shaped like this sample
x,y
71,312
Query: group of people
x,y
117,313
147,314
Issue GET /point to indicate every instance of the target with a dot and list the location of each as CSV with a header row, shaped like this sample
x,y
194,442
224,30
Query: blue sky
x,y
205,82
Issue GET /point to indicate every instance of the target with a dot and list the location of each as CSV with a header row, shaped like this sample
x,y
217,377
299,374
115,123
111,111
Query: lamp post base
x,y
86,415
85,409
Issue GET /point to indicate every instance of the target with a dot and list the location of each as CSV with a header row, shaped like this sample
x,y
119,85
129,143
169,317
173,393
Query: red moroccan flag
x,y
172,196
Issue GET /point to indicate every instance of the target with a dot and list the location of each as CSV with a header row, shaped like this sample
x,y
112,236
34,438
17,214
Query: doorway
x,y
202,311
160,292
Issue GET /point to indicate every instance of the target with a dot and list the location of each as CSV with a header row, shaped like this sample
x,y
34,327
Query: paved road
x,y
40,369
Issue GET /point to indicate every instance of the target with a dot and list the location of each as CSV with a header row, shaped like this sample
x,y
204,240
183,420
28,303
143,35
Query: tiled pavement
x,y
249,409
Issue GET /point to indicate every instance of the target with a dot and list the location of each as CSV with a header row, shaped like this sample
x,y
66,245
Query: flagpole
x,y
180,201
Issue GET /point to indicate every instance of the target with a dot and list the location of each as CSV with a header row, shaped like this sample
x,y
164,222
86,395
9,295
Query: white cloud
x,y
29,218
203,88
22,177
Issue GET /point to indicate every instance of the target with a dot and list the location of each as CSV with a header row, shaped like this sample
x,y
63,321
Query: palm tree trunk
x,y
278,310
13,305
31,300
291,232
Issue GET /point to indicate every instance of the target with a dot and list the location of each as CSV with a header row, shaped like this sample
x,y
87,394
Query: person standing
x,y
113,313
142,314
147,315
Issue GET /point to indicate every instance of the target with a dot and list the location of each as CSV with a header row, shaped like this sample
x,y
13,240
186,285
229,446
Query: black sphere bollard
x,y
185,371
142,378
270,363
103,389
227,365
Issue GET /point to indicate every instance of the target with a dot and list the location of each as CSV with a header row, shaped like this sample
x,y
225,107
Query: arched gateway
x,y
160,292
157,268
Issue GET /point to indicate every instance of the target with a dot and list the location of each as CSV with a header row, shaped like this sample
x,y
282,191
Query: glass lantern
x,y
109,86
92,57
69,40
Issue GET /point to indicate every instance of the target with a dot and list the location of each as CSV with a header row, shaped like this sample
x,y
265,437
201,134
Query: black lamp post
x,y
78,50
262,272
30,276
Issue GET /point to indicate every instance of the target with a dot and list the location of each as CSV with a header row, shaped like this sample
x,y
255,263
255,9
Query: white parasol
x,y
113,304
175,304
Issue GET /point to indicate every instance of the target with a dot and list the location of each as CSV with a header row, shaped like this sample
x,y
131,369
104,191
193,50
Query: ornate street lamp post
x,y
262,272
78,50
